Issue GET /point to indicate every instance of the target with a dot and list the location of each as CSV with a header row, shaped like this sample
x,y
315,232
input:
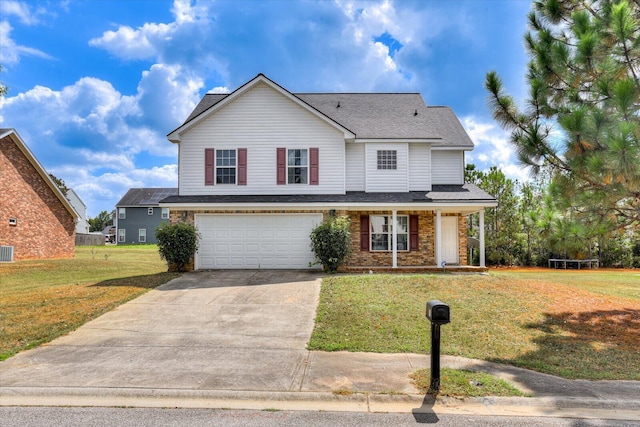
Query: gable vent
x,y
6,253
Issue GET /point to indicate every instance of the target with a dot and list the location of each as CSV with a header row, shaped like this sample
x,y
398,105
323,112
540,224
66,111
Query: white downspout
x,y
438,237
482,261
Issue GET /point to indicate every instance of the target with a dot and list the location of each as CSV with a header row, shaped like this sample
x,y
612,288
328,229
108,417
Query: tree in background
x,y
100,222
3,89
583,76
60,183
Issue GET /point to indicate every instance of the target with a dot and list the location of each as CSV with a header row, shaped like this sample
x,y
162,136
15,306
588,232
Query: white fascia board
x,y
451,147
175,136
469,207
399,140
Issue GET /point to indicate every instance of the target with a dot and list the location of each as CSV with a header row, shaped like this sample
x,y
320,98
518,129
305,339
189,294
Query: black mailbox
x,y
438,312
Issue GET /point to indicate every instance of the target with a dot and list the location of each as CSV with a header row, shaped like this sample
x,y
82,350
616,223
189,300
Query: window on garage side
x,y
387,159
381,232
225,166
142,235
297,166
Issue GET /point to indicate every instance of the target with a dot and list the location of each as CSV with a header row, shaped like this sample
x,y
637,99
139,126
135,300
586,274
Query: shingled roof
x,y
145,196
401,116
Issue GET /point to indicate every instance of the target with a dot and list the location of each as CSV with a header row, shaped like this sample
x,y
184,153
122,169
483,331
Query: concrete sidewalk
x,y
237,340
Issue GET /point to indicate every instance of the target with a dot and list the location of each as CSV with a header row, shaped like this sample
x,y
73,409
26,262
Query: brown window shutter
x,y
242,166
209,166
282,166
413,233
313,166
364,232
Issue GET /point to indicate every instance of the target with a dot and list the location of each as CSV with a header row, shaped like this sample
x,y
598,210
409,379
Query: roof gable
x,y
12,134
214,102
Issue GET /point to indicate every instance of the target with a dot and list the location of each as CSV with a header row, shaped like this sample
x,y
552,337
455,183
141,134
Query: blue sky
x,y
96,85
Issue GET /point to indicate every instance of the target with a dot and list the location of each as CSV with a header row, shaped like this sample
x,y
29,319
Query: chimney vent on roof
x,y
415,113
338,106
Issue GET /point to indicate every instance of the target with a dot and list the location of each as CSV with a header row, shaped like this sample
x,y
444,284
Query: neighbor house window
x,y
381,227
387,159
225,166
142,235
149,211
122,235
297,166
122,213
165,213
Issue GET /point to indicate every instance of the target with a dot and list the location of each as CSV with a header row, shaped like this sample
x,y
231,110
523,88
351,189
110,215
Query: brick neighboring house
x,y
36,219
138,214
260,167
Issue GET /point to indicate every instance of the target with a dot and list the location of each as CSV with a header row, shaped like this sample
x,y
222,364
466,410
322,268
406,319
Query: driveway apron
x,y
232,330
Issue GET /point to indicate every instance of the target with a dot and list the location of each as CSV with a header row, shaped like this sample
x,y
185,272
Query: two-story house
x,y
260,167
138,214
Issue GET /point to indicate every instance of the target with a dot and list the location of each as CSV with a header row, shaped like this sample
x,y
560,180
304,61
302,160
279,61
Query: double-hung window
x,y
225,166
142,235
122,213
381,232
297,166
149,211
165,213
122,235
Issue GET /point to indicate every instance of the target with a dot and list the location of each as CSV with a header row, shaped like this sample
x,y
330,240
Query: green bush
x,y
331,242
177,243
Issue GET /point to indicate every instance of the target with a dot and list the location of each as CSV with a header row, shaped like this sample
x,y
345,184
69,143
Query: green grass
x,y
41,300
553,325
463,383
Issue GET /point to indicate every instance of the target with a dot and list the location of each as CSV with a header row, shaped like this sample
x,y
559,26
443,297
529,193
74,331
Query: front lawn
x,y
43,299
573,324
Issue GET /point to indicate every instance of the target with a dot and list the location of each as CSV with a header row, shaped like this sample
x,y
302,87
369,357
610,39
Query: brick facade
x,y
44,227
424,256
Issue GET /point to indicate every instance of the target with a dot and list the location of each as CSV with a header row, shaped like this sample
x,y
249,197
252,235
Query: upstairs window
x,y
122,213
149,211
297,166
225,166
165,213
387,159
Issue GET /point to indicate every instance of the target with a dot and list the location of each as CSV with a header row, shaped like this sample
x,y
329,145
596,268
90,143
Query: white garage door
x,y
255,241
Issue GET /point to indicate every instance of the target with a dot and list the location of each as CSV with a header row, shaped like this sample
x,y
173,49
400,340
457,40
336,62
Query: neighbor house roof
x,y
13,135
145,196
371,116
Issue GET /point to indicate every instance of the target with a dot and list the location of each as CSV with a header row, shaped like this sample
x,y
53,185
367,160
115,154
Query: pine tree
x,y
582,115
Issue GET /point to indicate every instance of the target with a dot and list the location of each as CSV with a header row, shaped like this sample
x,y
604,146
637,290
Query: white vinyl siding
x,y
447,167
354,164
386,180
419,167
262,120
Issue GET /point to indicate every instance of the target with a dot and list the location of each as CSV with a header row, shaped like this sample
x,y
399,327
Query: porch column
x,y
438,237
394,237
482,262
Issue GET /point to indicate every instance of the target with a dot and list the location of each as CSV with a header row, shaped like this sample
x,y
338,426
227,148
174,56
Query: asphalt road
x,y
140,417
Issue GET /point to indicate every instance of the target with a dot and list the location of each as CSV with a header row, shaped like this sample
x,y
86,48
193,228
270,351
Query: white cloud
x,y
10,51
492,148
219,89
22,11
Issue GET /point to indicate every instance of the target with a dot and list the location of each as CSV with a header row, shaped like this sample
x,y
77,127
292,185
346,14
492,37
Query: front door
x,y
450,239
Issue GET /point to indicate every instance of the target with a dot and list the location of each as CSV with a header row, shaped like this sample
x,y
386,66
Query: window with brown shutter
x,y
313,166
209,166
242,166
413,233
282,166
364,232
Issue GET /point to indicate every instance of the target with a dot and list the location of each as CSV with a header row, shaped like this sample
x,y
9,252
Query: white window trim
x,y
389,233
142,238
122,213
122,235
307,167
165,213
234,167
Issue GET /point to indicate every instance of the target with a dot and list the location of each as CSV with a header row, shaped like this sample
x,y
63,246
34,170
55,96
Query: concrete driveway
x,y
231,330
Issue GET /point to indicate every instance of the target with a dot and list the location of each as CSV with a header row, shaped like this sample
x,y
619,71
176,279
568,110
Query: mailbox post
x,y
438,314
